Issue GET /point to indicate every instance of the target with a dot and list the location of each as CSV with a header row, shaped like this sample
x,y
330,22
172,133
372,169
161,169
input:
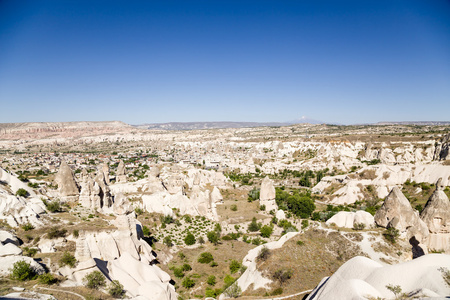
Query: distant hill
x,y
431,123
216,125
205,125
33,130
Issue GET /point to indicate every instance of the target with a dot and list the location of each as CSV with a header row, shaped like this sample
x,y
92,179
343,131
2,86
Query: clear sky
x,y
161,61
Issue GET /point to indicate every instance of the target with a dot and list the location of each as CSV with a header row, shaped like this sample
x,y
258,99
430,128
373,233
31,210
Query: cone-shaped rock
x,y
267,195
65,180
121,176
436,213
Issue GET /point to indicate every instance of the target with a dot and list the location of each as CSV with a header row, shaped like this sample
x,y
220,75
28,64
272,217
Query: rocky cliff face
x,y
442,151
13,131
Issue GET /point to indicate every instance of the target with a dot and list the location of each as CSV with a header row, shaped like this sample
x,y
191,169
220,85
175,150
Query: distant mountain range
x,y
415,123
217,125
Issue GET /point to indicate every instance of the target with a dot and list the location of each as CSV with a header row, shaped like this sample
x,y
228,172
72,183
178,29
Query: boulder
x,y
280,215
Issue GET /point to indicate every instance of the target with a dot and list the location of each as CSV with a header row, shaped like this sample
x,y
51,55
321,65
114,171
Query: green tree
x,y
21,270
189,239
211,280
115,289
67,260
22,193
205,258
234,266
94,280
188,283
213,237
253,226
168,241
266,231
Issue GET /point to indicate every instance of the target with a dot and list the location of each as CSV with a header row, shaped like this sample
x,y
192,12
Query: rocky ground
x,y
250,212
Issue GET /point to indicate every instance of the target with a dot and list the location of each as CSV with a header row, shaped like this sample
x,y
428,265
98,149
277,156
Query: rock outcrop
x,y
436,215
349,219
121,176
442,150
397,212
363,278
123,256
267,195
67,186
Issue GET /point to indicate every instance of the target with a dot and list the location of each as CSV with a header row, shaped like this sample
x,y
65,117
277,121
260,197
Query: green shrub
x,y
33,185
305,224
263,254
213,237
234,207
22,193
30,251
282,275
205,258
266,231
53,206
358,226
253,226
189,239
27,226
67,260
186,267
115,289
188,283
76,233
228,280
300,243
168,241
21,270
233,291
47,278
214,293
211,280
391,234
138,211
178,272
277,291
54,232
234,266
94,280
213,264
145,231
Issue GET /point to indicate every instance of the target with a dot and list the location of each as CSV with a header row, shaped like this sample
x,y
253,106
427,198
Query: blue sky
x,y
161,61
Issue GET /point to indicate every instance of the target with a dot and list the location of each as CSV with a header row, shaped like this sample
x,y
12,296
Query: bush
x,y
213,237
234,207
266,231
22,271
54,232
214,293
213,264
201,240
229,280
145,231
47,278
30,251
277,291
188,283
253,195
305,224
205,258
253,226
263,254
178,272
211,280
75,233
168,241
138,211
27,226
282,275
116,289
358,226
234,266
233,291
186,267
262,207
391,234
67,260
53,206
22,193
189,239
94,280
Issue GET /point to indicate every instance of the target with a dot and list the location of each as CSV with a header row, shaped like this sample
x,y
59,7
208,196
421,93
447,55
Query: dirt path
x,y
60,291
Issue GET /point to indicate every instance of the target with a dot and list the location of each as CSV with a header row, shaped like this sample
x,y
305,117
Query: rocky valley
x,y
102,210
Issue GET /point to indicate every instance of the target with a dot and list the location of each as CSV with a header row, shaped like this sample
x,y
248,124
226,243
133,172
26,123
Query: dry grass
x,y
320,255
223,253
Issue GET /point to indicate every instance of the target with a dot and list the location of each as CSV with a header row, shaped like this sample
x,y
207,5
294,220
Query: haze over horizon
x,y
247,61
